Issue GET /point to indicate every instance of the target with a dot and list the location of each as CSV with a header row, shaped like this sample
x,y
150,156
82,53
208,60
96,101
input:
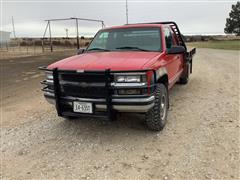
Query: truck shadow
x,y
125,122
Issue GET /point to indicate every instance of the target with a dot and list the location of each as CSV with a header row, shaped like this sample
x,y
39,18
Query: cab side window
x,y
168,38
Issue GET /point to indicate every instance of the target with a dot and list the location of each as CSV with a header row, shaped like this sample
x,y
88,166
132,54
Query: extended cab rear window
x,y
122,39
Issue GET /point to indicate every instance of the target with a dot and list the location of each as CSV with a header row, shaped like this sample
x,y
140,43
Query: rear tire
x,y
156,117
183,80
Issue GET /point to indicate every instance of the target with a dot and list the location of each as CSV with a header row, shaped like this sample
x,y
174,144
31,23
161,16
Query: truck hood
x,y
127,60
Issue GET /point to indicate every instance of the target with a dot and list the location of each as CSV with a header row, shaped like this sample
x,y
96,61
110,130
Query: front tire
x,y
156,117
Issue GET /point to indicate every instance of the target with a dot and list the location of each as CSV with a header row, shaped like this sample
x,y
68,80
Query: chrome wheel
x,y
163,107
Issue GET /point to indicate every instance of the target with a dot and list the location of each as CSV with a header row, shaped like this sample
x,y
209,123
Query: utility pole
x,y
127,11
14,33
50,36
78,46
66,33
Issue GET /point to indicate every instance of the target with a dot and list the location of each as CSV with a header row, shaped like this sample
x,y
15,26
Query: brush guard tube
x,y
108,102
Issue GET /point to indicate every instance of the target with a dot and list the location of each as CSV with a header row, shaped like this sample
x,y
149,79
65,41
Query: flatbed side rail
x,y
191,53
189,56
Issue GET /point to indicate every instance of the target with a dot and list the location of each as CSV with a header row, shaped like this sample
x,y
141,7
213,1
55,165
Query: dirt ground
x,y
200,140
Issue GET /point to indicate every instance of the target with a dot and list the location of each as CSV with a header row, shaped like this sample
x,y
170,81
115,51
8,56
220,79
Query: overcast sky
x,y
193,17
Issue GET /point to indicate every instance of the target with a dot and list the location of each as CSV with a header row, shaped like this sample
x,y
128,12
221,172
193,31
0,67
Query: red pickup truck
x,y
127,68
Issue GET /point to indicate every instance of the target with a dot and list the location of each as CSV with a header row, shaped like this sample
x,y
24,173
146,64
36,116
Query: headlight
x,y
132,78
49,75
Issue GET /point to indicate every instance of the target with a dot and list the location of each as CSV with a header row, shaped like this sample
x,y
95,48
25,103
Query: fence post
x,y
7,45
50,36
42,45
19,46
34,47
78,46
13,44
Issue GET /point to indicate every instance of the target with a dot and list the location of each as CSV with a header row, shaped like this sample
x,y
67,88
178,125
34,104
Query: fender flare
x,y
160,73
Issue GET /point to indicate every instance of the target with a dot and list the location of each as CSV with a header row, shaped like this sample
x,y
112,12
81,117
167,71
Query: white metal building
x,y
4,37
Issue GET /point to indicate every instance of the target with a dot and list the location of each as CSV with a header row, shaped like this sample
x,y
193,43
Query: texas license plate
x,y
82,107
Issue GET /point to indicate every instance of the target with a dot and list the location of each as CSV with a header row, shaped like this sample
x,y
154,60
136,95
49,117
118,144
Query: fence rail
x,y
30,46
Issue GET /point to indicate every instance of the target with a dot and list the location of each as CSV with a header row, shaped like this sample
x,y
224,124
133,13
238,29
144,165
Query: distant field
x,y
26,51
229,45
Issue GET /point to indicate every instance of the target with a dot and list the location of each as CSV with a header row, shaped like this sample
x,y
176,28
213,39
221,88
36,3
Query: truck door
x,y
173,60
170,58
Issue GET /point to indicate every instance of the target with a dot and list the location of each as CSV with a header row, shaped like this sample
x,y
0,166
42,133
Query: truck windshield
x,y
127,39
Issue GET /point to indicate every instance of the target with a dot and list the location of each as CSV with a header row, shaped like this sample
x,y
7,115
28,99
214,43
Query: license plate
x,y
82,107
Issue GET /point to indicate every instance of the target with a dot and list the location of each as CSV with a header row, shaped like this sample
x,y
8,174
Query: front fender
x,y
161,72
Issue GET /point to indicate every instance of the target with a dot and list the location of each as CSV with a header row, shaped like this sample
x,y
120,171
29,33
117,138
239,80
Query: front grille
x,y
83,85
85,92
83,77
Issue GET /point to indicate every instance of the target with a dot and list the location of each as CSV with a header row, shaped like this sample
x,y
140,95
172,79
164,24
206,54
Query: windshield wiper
x,y
97,49
132,47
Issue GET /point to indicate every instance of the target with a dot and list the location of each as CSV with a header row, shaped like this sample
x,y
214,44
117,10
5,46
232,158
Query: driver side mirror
x,y
176,50
80,51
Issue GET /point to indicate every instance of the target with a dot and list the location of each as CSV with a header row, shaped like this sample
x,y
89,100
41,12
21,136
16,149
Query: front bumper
x,y
139,104
98,88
